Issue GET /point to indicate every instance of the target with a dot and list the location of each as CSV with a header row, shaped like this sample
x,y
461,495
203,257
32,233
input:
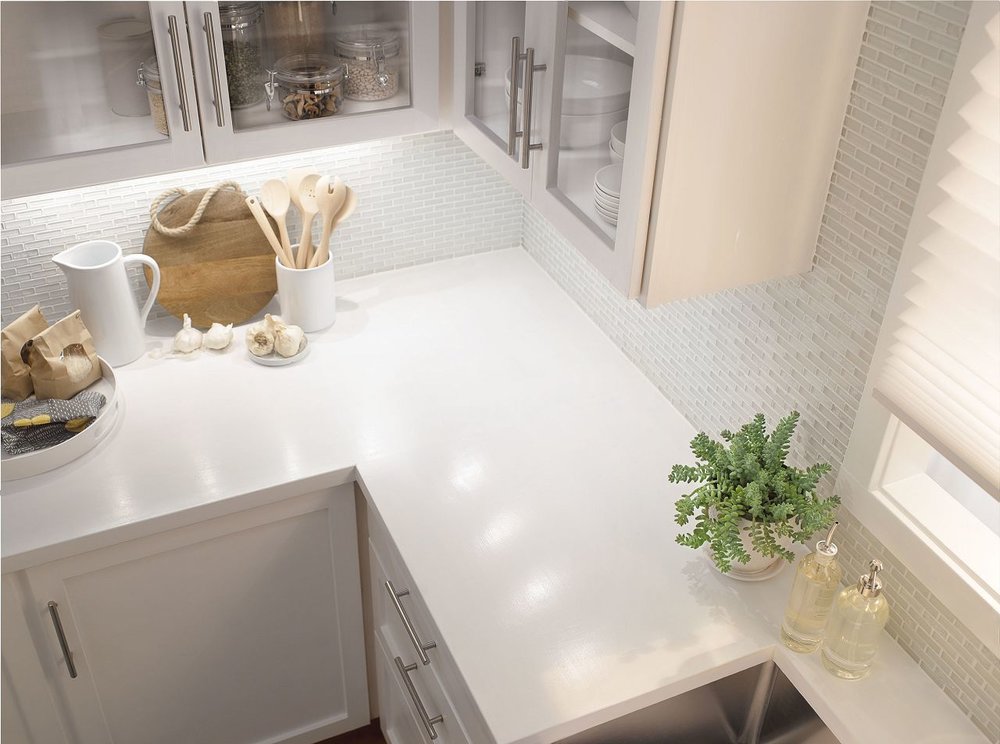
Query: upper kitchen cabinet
x,y
539,89
756,94
72,109
118,90
286,76
683,148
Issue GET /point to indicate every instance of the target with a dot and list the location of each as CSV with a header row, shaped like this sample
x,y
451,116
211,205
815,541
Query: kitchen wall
x,y
806,342
421,198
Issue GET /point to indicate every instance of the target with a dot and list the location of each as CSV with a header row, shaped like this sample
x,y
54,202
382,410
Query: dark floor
x,y
370,734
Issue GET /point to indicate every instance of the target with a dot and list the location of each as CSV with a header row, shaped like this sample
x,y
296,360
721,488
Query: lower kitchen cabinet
x,y
244,628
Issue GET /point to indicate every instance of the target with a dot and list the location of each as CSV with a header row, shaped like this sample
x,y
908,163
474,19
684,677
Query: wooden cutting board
x,y
220,272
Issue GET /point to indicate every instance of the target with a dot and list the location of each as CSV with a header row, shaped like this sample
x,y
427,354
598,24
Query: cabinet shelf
x,y
608,20
258,116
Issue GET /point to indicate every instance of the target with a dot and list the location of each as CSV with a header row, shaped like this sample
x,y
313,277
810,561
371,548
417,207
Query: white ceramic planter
x,y
760,566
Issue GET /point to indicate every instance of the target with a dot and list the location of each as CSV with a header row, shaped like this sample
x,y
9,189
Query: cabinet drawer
x,y
440,676
425,687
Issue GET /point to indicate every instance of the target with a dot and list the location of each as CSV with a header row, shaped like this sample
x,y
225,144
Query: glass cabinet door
x,y
82,78
589,152
496,26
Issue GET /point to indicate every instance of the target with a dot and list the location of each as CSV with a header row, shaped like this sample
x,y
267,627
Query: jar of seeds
x,y
149,76
242,49
371,65
307,86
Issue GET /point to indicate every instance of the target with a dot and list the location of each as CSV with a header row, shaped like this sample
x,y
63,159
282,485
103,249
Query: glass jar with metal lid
x,y
149,77
371,63
307,86
243,51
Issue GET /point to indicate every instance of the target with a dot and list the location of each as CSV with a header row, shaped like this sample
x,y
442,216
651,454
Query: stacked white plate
x,y
616,144
607,192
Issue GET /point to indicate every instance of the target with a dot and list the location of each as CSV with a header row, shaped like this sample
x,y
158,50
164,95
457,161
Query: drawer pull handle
x,y
61,635
420,647
425,719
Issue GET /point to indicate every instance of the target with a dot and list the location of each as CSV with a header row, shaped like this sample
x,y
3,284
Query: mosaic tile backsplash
x,y
421,198
804,342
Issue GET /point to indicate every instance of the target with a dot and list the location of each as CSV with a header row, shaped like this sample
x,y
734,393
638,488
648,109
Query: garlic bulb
x,y
288,340
219,336
260,339
188,339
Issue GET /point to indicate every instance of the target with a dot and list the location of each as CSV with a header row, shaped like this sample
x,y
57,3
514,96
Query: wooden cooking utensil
x,y
309,206
275,197
350,202
265,227
330,198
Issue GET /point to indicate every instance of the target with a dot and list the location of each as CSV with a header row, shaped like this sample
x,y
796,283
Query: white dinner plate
x,y
609,180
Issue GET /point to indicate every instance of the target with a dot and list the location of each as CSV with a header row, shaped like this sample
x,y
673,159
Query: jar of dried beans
x,y
242,49
306,86
371,65
149,76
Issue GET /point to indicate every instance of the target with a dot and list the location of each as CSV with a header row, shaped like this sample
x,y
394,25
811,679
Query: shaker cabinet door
x,y
94,92
245,628
281,77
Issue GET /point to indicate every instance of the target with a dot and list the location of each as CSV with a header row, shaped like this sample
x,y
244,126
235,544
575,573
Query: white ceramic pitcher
x,y
99,288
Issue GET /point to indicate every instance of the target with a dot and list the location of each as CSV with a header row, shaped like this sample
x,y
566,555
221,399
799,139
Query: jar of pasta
x,y
371,65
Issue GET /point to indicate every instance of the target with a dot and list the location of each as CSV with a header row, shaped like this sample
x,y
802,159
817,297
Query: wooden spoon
x,y
331,199
258,214
350,202
275,197
309,205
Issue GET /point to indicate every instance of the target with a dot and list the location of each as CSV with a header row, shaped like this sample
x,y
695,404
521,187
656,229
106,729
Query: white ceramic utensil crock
x,y
99,288
307,296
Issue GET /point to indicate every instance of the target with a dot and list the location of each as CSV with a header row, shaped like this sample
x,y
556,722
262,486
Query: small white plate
x,y
609,180
608,201
276,360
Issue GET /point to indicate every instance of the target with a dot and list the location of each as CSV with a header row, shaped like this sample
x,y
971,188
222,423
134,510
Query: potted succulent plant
x,y
749,505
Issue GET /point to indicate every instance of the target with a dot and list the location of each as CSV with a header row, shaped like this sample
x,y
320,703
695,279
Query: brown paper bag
x,y
13,365
63,360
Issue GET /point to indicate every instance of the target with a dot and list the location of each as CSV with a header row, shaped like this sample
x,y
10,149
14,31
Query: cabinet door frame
x,y
224,144
183,149
80,696
621,261
466,126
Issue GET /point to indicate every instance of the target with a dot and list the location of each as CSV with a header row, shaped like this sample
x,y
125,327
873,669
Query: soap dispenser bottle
x,y
859,614
817,580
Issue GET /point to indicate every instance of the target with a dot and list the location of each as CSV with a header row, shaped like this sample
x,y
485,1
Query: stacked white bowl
x,y
595,98
616,145
607,192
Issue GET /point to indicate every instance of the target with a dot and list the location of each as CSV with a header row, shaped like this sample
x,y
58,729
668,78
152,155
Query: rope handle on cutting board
x,y
177,191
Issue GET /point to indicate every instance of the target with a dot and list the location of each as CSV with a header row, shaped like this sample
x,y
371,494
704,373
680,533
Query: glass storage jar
x,y
243,51
371,65
307,86
149,76
124,44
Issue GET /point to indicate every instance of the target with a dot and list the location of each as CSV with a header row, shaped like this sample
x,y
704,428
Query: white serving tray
x,y
15,467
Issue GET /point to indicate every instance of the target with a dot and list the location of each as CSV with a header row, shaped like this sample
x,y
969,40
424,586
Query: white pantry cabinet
x,y
733,120
244,628
71,112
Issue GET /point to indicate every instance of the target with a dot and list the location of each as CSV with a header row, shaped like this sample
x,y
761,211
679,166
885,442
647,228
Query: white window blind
x,y
942,373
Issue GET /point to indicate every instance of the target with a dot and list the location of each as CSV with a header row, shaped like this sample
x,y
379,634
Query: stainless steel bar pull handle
x,y
425,719
61,635
213,61
182,93
515,64
421,647
529,78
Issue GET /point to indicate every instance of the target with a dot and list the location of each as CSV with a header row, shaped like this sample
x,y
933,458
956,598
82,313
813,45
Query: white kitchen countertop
x,y
519,461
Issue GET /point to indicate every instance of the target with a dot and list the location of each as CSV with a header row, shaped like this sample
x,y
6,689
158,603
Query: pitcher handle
x,y
154,288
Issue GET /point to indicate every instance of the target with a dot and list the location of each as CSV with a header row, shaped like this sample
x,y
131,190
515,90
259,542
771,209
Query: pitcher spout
x,y
94,254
